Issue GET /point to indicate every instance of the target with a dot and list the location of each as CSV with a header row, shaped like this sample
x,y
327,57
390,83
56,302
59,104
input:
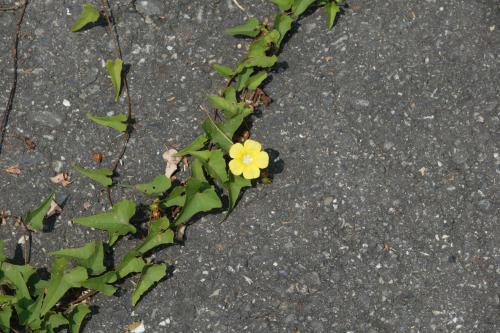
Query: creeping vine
x,y
222,161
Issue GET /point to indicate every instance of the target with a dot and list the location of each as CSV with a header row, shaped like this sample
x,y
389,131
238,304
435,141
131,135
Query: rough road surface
x,y
384,212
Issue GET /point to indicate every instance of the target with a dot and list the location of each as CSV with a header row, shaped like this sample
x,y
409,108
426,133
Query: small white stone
x,y
66,103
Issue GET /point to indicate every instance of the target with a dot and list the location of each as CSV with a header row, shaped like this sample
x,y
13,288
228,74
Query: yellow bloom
x,y
248,159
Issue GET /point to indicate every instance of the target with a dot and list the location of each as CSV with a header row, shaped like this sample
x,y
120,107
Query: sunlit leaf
x,y
216,133
159,234
60,282
131,263
150,275
197,173
300,6
216,166
17,276
223,70
102,175
221,103
331,9
77,316
115,71
29,312
34,219
251,28
284,5
88,15
197,144
90,256
155,187
177,197
255,80
234,186
243,78
116,222
282,23
102,283
118,122
200,197
261,61
53,321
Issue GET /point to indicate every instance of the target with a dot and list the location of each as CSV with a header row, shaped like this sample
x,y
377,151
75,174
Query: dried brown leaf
x,y
61,178
171,162
13,169
54,209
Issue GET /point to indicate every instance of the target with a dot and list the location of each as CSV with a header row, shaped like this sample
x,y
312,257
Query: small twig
x,y
8,107
118,53
238,5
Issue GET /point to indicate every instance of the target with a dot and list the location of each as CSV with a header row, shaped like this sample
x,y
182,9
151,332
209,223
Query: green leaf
x,y
101,283
150,275
282,23
34,219
261,61
54,321
234,186
118,122
102,175
116,222
217,134
5,314
196,172
7,299
230,95
255,80
155,187
217,166
77,316
331,9
243,78
18,276
158,235
284,5
60,282
88,15
29,312
223,70
251,28
197,144
221,103
300,6
200,197
90,256
115,71
177,197
131,263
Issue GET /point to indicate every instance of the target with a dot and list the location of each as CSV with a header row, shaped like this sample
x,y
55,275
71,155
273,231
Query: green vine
x,y
222,161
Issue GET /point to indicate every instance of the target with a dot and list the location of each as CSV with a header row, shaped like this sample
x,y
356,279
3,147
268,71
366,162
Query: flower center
x,y
247,159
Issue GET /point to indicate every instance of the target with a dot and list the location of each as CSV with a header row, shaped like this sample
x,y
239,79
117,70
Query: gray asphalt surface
x,y
384,216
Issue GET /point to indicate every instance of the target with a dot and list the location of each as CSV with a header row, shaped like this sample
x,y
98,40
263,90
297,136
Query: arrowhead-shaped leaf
x,y
223,70
115,71
234,186
216,133
116,222
54,321
132,262
88,15
34,219
284,5
177,197
17,276
251,28
197,144
243,78
118,122
255,80
150,275
230,109
331,9
200,197
102,283
158,235
282,23
155,187
102,175
90,256
300,6
76,317
60,282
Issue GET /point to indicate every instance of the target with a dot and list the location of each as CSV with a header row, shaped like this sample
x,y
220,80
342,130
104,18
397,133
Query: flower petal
x,y
236,167
235,150
262,159
252,145
251,172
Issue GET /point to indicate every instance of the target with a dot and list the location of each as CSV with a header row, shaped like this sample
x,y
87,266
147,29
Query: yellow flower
x,y
247,159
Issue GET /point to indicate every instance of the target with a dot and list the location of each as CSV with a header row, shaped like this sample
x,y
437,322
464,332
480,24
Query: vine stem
x,y
10,101
118,53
